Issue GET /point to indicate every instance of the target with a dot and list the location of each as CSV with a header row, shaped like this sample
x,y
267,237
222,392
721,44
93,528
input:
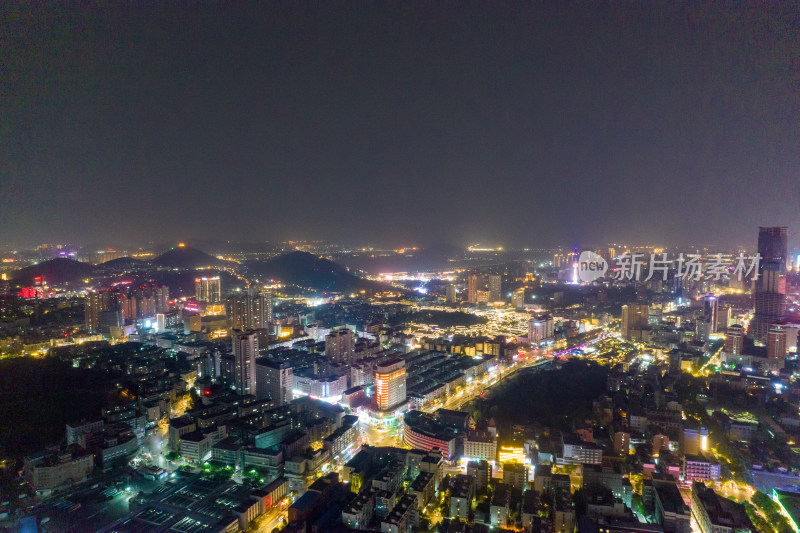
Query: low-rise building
x,y
52,469
403,517
701,467
715,514
501,499
670,510
358,514
462,491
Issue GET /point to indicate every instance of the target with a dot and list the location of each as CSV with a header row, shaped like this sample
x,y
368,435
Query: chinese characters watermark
x,y
689,267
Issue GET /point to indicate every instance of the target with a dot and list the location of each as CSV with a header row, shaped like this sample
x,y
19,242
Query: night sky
x,y
500,123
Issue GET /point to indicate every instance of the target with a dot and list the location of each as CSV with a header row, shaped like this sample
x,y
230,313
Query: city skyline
x,y
421,124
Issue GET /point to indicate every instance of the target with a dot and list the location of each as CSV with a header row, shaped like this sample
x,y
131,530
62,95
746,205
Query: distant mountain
x,y
310,272
53,271
124,263
188,258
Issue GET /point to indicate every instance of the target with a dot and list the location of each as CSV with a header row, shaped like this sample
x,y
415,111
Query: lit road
x,y
375,436
274,517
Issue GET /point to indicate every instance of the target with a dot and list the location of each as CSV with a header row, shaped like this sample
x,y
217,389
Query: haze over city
x,y
399,124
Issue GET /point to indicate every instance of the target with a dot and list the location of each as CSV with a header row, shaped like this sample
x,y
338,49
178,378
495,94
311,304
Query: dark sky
x,y
501,123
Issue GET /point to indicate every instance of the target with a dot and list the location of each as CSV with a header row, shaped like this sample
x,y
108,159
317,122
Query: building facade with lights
x,y
390,384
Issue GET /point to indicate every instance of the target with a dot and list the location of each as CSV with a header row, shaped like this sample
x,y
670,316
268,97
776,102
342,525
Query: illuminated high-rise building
x,y
494,285
208,290
776,341
95,304
770,287
734,340
161,295
518,298
274,381
245,311
710,311
245,352
540,329
450,294
634,319
724,315
474,284
340,345
128,306
390,383
484,288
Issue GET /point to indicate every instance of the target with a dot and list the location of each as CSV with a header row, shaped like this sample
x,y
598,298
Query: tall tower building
x,y
208,290
244,311
245,352
94,305
340,345
494,285
776,341
770,287
128,306
724,315
162,299
634,318
266,294
274,380
518,298
390,383
734,340
710,311
474,284
450,294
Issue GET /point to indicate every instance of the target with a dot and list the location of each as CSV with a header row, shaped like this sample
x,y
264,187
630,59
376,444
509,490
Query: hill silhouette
x,y
311,272
188,258
58,270
124,263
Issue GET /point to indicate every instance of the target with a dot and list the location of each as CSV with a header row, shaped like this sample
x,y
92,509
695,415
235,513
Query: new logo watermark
x,y
591,266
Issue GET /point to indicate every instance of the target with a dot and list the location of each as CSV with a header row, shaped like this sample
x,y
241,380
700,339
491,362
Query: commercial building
x,y
390,383
770,287
328,387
